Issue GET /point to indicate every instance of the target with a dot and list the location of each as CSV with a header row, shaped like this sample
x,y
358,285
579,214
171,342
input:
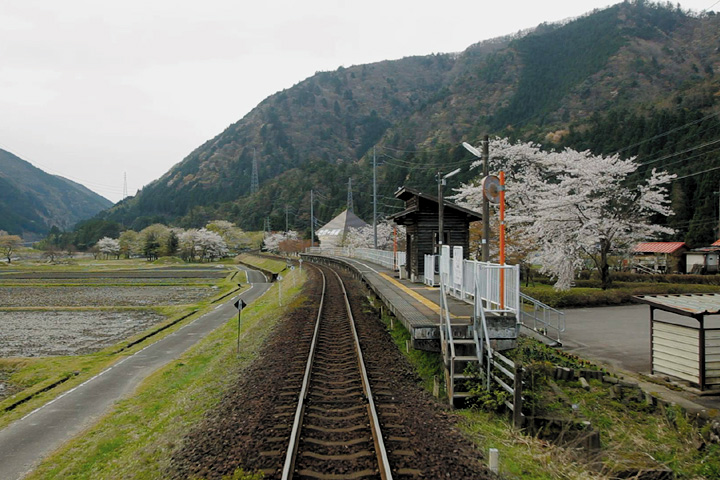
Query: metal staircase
x,y
463,346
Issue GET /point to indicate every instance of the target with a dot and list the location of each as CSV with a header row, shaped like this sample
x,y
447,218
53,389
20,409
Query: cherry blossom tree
x,y
273,241
574,205
202,244
109,247
234,236
210,245
187,242
364,237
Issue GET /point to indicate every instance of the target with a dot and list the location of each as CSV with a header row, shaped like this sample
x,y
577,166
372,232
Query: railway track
x,y
299,416
336,430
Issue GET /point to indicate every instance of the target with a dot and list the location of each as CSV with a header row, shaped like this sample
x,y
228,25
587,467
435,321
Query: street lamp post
x,y
485,203
441,203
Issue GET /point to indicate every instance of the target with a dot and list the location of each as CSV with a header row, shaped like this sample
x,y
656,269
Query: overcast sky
x,y
91,89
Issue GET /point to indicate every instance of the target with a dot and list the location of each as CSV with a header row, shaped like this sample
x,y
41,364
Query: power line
x,y
711,6
432,150
706,144
694,174
664,134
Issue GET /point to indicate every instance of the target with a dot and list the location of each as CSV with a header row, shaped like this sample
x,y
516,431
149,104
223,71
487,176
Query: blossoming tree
x,y
574,205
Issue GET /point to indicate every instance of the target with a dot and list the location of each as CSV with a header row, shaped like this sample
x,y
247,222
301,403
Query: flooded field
x,y
105,296
33,334
56,323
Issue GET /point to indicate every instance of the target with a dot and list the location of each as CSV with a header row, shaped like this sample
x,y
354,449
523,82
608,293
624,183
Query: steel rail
x,y
381,452
289,465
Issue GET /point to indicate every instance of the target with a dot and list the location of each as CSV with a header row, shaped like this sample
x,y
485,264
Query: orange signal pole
x,y
502,239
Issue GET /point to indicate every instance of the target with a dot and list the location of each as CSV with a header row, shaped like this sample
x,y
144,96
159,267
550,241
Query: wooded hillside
x,y
636,78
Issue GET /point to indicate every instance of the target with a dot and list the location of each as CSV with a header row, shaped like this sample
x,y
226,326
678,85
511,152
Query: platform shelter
x,y
685,345
420,218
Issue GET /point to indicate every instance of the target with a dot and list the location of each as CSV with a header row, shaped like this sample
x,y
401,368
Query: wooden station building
x,y
420,218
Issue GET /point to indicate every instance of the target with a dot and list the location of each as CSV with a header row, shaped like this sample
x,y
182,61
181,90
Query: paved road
x,y
617,336
620,338
25,442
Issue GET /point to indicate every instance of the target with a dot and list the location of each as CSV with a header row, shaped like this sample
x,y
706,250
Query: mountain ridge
x,y
551,84
32,201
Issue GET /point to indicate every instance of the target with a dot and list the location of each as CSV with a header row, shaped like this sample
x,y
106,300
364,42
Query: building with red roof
x,y
660,257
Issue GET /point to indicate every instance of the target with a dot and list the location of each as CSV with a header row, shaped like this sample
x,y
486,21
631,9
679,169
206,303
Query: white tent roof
x,y
340,224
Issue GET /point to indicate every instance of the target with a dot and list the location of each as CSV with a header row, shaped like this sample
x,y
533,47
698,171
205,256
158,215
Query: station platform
x,y
416,305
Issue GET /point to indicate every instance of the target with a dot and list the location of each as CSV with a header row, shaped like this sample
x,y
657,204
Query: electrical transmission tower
x,y
125,194
266,227
349,196
254,182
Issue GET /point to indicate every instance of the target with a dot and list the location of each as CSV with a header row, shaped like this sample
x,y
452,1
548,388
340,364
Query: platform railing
x,y
541,318
499,285
447,343
429,270
494,366
388,259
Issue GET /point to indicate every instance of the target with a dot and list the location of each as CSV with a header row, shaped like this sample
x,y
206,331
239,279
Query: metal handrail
x,y
446,336
545,317
479,314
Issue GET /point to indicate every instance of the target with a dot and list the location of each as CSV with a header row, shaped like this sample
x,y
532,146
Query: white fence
x,y
392,260
498,285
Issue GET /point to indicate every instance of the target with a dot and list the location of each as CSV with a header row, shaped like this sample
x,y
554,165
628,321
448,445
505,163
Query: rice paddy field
x,y
53,313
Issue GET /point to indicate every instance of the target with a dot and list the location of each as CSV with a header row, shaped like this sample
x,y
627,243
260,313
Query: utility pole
x,y
254,180
312,219
350,196
485,203
441,212
374,200
286,218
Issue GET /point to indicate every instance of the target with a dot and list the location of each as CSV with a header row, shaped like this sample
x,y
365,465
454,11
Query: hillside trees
x,y
574,205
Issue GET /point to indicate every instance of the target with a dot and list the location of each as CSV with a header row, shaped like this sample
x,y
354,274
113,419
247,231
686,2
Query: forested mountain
x,y
636,78
32,201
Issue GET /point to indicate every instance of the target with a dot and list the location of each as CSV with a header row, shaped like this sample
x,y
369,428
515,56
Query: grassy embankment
x,y
28,378
634,435
137,438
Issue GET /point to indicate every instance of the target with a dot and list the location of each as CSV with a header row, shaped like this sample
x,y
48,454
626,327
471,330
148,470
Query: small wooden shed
x,y
420,219
683,348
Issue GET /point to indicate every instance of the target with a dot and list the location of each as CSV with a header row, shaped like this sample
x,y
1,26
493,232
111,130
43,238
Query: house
x,y
659,257
420,218
333,233
704,259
